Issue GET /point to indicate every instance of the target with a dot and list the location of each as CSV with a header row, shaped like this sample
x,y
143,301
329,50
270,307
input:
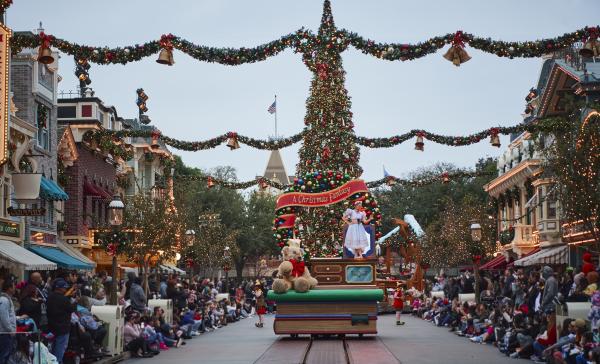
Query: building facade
x,y
528,214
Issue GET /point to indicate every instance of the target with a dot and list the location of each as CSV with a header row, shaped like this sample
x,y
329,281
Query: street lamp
x,y
190,234
476,237
226,267
115,218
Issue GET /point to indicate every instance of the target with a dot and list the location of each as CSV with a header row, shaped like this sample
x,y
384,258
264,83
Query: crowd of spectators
x,y
49,317
517,312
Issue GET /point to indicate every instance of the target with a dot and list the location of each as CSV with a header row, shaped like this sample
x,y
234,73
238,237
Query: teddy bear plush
x,y
292,273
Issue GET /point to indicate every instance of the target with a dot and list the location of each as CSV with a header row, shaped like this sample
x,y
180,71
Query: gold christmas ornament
x,y
45,55
165,57
495,141
457,55
420,144
232,141
590,49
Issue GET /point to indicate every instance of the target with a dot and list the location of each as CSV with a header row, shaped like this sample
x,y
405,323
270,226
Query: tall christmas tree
x,y
329,155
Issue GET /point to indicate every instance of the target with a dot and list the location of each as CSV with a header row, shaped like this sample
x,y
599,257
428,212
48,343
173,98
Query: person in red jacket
x,y
398,303
588,266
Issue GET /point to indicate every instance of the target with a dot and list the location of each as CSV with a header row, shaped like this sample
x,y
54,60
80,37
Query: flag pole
x,y
275,116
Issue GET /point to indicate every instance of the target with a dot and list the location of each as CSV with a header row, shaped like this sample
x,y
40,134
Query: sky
x,y
195,101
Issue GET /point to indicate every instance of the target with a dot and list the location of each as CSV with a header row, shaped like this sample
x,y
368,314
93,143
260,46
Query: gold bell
x,y
419,144
445,178
495,140
165,57
45,55
233,143
155,136
263,185
457,55
590,49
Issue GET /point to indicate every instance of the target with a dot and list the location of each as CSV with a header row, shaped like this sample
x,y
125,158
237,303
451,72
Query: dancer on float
x,y
357,239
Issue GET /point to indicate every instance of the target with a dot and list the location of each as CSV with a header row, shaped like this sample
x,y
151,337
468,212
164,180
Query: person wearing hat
x,y
357,239
398,303
261,305
60,307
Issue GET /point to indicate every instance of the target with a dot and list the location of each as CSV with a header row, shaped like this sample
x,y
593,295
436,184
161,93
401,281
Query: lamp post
x,y
115,217
226,267
476,238
190,236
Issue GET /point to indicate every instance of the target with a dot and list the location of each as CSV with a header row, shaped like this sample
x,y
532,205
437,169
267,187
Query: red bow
x,y
45,40
494,131
166,41
458,40
298,267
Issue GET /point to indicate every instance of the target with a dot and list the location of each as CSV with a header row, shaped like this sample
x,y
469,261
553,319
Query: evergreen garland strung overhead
x,y
233,139
305,42
326,181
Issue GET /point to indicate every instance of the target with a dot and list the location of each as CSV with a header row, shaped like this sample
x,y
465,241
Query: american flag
x,y
273,108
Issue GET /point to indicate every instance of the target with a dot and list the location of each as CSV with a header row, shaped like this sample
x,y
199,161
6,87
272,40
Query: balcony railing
x,y
524,235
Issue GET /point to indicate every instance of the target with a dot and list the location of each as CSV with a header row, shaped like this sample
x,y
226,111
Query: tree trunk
x,y
239,268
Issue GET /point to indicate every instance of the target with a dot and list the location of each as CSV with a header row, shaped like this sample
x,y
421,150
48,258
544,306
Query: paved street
x,y
417,342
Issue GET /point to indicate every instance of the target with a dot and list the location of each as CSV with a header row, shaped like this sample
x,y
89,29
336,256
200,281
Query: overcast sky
x,y
195,101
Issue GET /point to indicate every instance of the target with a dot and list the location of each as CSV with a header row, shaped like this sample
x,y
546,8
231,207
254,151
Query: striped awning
x,y
556,255
498,262
17,254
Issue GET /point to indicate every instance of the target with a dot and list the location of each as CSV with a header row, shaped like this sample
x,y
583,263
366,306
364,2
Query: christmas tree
x,y
329,155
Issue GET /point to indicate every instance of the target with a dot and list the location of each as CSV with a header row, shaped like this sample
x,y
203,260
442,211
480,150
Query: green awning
x,y
50,191
59,257
328,295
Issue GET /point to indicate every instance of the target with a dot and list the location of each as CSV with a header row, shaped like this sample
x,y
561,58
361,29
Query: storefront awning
x,y
50,191
19,255
75,253
171,269
556,255
60,258
498,262
89,189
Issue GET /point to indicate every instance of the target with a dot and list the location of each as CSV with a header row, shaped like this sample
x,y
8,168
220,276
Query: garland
x,y
543,126
320,182
305,42
133,53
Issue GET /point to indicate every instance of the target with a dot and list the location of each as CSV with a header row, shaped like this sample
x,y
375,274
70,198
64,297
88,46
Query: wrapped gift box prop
x,y
327,311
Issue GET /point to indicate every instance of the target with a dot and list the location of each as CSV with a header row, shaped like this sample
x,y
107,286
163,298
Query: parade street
x,y
417,342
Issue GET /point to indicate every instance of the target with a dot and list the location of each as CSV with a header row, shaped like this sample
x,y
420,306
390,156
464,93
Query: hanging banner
x,y
324,198
5,34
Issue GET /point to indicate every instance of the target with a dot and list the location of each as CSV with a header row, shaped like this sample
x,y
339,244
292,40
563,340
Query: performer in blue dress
x,y
357,239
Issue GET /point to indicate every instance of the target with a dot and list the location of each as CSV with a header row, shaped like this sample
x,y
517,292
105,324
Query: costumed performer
x,y
398,303
261,305
357,239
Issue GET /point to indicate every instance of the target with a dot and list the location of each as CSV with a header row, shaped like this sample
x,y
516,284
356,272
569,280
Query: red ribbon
x,y
232,134
458,40
45,40
166,41
593,33
494,131
298,267
421,134
155,134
